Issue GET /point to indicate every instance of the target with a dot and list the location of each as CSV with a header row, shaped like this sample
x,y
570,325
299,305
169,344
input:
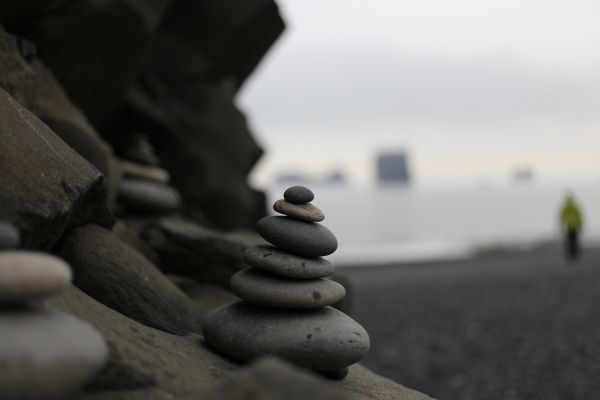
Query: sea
x,y
390,224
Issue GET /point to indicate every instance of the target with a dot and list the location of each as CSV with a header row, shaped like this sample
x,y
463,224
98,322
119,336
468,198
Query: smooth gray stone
x,y
47,355
150,197
267,289
9,236
323,340
298,195
304,212
144,172
288,265
26,275
298,237
142,157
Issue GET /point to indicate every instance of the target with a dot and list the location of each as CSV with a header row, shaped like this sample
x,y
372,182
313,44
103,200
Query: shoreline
x,y
476,253
518,324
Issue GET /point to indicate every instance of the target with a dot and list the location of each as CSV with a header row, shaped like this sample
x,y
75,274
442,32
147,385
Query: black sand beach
x,y
524,325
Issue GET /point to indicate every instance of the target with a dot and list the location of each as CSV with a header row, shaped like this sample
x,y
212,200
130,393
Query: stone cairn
x,y
43,354
286,301
145,186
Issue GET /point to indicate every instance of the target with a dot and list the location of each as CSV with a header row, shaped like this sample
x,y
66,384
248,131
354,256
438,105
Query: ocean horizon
x,y
388,224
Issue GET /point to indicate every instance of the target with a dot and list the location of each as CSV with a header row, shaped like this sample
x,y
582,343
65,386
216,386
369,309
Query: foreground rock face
x,y
204,52
118,276
235,34
46,186
189,135
186,248
27,79
273,379
146,363
96,65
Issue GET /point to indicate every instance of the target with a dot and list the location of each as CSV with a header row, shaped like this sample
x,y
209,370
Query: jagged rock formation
x,y
47,187
80,81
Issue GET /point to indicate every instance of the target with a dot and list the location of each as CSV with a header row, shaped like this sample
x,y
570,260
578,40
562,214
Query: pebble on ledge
x,y
286,301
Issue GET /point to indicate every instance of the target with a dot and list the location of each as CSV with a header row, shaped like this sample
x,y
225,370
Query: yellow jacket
x,y
570,216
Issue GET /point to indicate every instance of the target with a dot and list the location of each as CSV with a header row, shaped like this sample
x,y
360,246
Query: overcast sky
x,y
471,88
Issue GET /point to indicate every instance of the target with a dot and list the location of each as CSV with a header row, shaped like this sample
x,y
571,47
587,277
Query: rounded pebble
x,y
323,340
9,236
303,212
26,275
272,259
142,157
47,355
150,197
298,237
267,289
298,195
139,171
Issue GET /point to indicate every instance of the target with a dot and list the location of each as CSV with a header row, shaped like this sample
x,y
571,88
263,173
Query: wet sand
x,y
522,325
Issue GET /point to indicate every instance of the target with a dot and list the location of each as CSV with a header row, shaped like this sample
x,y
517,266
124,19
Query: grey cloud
x,y
331,86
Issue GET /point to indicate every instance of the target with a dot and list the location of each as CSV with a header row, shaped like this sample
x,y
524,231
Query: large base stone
x,y
323,340
47,355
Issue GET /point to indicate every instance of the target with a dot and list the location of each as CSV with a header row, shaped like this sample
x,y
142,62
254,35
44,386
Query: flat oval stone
x,y
303,212
142,156
323,340
47,355
26,275
139,171
272,259
267,289
9,236
298,237
150,197
298,195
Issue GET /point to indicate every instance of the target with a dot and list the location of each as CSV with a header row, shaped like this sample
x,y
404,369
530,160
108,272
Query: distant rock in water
x,y
392,168
523,175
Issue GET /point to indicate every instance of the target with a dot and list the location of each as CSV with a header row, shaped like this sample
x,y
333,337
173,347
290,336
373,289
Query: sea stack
x,y
286,298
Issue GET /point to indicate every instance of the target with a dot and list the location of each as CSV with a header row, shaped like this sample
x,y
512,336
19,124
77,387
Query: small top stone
x,y
9,236
298,195
303,212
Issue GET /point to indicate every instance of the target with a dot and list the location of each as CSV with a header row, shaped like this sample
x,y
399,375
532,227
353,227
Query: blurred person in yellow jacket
x,y
571,221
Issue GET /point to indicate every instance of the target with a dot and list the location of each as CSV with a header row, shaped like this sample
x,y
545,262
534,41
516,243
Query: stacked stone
x,y
286,309
43,354
145,186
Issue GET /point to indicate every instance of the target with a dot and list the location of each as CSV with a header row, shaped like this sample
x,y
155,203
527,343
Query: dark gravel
x,y
508,326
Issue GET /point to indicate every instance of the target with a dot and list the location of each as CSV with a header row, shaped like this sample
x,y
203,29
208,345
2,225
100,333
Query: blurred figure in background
x,y
571,222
